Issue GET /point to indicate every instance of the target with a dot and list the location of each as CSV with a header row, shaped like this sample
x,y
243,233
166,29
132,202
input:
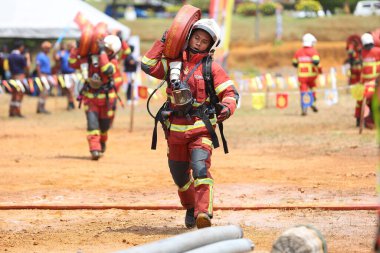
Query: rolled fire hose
x,y
100,31
179,30
229,246
190,240
85,40
299,239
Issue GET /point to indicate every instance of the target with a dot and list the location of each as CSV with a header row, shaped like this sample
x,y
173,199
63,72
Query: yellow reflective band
x,y
207,142
211,197
200,181
105,68
294,60
186,186
370,76
118,79
165,64
149,62
93,132
229,98
315,58
127,51
72,60
184,128
223,86
100,96
103,133
110,113
14,84
85,107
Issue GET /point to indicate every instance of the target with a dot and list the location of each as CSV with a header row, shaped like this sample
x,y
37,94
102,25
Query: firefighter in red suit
x,y
353,49
189,142
370,72
306,60
99,95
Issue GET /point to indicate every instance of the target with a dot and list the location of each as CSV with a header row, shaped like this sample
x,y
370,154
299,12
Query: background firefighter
x,y
306,60
189,142
354,50
370,72
19,63
99,96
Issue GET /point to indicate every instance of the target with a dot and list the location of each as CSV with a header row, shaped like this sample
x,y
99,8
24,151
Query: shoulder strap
x,y
210,89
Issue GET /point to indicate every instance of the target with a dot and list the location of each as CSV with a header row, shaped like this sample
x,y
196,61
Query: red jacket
x,y
306,59
154,64
106,69
371,64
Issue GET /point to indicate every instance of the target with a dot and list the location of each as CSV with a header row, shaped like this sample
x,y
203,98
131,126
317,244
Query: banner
x,y
307,99
142,92
282,100
258,100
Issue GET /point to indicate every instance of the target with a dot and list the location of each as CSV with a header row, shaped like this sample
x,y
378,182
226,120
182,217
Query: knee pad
x,y
198,163
92,121
179,171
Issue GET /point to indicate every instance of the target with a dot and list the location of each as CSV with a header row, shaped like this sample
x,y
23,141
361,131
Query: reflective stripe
x,y
200,181
229,98
315,58
105,68
207,142
110,113
165,64
94,132
223,86
103,133
149,62
85,107
184,128
211,197
72,60
186,186
118,79
100,96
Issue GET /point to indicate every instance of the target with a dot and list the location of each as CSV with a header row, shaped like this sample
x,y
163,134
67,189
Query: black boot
x,y
314,108
95,155
189,218
70,106
103,146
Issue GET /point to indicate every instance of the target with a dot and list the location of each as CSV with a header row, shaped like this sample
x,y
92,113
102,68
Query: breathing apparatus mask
x,y
182,96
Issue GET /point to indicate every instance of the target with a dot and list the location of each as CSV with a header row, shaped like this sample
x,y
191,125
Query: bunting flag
x,y
258,100
31,85
307,99
14,85
293,82
5,84
321,80
269,80
45,82
142,92
22,88
61,81
331,96
282,100
39,83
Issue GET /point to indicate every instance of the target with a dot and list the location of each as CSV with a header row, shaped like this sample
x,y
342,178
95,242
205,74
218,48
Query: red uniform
x,y
189,142
99,97
355,64
306,59
370,71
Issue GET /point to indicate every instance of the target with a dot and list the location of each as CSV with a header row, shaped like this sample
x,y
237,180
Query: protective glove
x,y
163,38
102,46
224,114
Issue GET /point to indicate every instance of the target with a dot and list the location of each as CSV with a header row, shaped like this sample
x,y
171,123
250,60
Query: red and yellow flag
x,y
282,100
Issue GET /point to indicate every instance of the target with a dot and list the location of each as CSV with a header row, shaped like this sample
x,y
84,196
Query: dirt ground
x,y
277,158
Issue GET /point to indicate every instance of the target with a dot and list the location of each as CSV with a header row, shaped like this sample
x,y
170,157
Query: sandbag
x,y
100,31
85,40
179,29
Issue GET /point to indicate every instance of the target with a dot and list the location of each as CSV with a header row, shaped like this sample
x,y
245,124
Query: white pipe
x,y
228,246
190,240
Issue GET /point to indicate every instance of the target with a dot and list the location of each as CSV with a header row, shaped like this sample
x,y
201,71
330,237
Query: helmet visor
x,y
182,96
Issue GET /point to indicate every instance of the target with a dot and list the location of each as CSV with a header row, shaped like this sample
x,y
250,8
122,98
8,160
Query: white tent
x,y
49,18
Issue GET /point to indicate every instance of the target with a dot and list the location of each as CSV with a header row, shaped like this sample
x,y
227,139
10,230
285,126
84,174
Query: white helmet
x,y
112,42
308,40
209,26
367,39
